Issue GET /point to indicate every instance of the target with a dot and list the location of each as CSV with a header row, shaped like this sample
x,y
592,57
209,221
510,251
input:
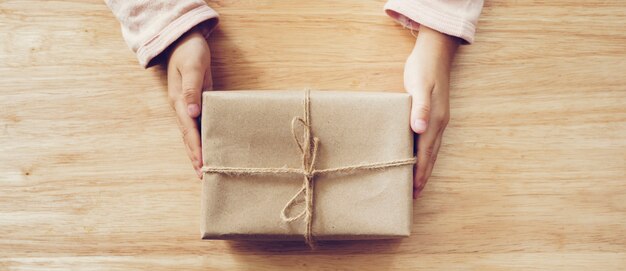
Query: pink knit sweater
x,y
150,26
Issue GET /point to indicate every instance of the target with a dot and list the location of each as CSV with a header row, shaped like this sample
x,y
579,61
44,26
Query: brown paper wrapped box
x,y
252,130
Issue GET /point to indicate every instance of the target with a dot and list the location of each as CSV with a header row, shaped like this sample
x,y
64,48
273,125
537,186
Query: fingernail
x,y
199,173
419,125
193,110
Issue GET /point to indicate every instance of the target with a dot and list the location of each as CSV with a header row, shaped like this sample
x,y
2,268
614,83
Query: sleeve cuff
x,y
413,13
168,35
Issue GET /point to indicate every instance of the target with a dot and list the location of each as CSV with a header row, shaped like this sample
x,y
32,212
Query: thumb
x,y
192,81
420,109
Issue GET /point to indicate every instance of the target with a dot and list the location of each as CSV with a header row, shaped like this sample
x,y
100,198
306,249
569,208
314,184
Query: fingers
x,y
191,135
433,157
425,150
420,112
186,123
426,78
188,75
208,79
192,77
430,140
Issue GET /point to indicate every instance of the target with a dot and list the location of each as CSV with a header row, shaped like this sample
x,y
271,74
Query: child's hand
x,y
426,78
188,74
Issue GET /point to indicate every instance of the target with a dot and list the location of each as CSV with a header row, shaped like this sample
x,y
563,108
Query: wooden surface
x,y
531,175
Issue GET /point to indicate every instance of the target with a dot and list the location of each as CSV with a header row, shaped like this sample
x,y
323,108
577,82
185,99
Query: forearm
x,y
149,27
457,18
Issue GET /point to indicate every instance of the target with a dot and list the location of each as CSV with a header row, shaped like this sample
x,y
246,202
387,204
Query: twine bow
x,y
308,147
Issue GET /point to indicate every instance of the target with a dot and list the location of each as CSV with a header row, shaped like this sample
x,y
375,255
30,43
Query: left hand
x,y
426,78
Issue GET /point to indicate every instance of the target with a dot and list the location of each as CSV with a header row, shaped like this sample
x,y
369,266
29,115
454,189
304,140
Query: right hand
x,y
188,74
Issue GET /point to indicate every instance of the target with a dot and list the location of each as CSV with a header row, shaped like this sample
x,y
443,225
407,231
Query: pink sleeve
x,y
453,17
150,26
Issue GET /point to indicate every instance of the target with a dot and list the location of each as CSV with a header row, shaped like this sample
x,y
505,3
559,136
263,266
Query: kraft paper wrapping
x,y
252,129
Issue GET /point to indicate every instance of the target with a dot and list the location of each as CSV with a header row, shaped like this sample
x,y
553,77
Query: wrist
x,y
192,34
438,43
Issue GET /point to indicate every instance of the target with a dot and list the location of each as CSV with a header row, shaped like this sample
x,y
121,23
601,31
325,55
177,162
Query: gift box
x,y
306,165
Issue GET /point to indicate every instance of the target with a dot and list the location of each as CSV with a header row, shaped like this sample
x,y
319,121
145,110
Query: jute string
x,y
308,146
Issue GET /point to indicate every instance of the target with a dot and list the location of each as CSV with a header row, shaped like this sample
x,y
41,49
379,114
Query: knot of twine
x,y
308,146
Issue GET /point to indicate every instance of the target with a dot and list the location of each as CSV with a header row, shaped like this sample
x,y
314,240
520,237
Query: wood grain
x,y
531,175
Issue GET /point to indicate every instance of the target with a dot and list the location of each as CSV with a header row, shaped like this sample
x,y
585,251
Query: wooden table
x,y
532,174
